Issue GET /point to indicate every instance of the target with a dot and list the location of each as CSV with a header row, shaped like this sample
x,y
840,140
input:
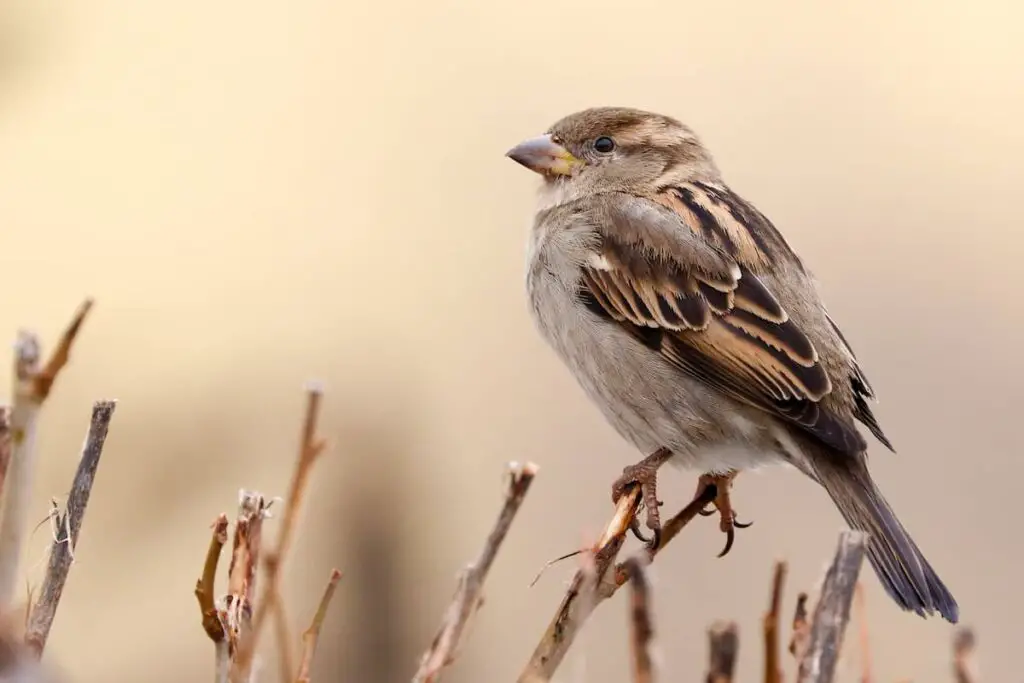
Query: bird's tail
x,y
904,572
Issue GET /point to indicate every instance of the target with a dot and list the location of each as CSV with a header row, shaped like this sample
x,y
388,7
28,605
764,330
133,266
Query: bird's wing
x,y
687,290
861,389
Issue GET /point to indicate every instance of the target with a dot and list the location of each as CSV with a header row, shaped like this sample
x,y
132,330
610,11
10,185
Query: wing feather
x,y
706,311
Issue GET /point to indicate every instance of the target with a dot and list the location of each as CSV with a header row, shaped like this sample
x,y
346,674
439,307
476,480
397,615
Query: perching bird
x,y
697,331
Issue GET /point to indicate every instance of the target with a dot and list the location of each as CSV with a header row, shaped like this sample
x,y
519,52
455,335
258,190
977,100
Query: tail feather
x,y
901,567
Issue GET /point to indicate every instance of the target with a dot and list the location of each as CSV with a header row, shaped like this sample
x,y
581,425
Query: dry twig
x,y
70,525
723,645
5,443
285,659
311,446
642,626
579,600
801,628
964,643
445,644
32,385
206,584
312,634
772,666
832,612
574,611
237,608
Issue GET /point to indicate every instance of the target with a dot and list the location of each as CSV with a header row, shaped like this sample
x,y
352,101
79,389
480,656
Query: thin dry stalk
x,y
772,665
205,585
723,646
578,603
285,659
833,610
641,624
964,667
573,611
32,385
311,636
5,443
237,606
468,595
860,605
801,628
70,525
588,588
43,379
311,446
222,661
18,483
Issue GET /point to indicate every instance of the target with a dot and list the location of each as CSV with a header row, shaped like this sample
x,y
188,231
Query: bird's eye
x,y
604,144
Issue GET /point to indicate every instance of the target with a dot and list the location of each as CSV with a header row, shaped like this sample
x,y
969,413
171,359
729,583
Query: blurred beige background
x,y
259,193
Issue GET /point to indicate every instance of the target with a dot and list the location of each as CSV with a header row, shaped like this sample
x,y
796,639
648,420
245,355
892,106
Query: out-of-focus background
x,y
262,193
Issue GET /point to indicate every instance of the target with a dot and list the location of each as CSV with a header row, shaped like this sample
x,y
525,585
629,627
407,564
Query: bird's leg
x,y
645,475
723,503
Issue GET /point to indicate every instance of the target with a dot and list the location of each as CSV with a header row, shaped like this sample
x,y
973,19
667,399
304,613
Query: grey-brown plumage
x,y
693,326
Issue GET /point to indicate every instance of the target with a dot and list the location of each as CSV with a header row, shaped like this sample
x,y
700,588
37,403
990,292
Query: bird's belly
x,y
648,401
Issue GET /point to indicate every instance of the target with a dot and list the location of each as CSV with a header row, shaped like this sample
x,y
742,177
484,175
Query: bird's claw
x,y
722,504
645,475
653,541
730,536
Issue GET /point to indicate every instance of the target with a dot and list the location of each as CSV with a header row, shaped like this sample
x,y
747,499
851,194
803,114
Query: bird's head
x,y
615,149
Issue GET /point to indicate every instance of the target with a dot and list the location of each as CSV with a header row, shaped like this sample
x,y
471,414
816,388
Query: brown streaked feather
x,y
862,391
753,223
715,321
782,336
752,296
713,222
727,221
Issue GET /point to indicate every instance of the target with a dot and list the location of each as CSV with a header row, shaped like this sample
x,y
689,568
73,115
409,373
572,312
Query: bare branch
x,y
642,627
18,483
311,447
283,633
964,643
833,610
42,381
578,603
311,635
723,646
70,524
236,611
801,628
205,586
222,662
772,666
32,385
443,648
574,611
6,444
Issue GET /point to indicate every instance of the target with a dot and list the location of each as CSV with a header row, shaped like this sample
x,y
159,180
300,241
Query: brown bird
x,y
697,331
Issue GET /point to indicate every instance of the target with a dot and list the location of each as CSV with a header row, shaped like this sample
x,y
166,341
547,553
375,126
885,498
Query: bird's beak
x,y
543,155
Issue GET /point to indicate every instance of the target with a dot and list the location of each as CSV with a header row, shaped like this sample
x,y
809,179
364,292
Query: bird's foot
x,y
723,504
645,475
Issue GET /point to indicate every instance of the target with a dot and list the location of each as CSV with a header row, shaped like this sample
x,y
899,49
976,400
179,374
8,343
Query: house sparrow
x,y
698,332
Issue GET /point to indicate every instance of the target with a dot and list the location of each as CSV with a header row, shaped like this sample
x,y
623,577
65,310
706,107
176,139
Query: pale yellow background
x,y
263,192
